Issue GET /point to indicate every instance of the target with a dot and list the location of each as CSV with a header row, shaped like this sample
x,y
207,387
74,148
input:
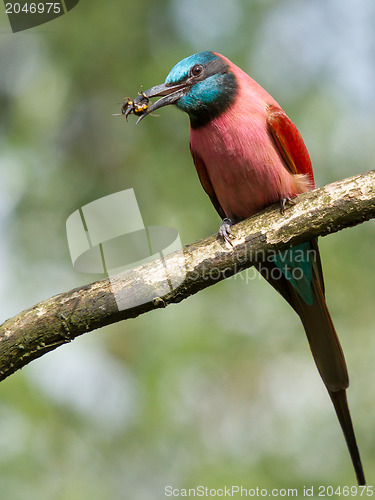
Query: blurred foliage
x,y
221,388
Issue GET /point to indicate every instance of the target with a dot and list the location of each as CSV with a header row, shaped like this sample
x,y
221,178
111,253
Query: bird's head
x,y
202,85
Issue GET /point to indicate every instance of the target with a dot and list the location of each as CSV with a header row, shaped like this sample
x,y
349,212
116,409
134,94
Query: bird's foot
x,y
283,203
225,231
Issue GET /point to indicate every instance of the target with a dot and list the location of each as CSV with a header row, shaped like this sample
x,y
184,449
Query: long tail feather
x,y
329,358
340,403
326,350
324,343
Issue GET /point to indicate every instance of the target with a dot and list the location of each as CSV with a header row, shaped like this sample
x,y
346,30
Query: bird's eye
x,y
196,70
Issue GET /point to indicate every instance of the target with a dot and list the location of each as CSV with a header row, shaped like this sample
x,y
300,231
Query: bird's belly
x,y
244,186
244,189
244,166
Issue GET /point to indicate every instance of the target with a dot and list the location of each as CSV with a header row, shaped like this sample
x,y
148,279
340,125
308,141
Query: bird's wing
x,y
289,143
206,182
293,150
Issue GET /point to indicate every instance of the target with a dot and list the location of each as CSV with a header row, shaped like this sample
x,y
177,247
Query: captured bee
x,y
137,106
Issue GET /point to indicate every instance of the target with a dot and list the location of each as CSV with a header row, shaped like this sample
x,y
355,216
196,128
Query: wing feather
x,y
289,143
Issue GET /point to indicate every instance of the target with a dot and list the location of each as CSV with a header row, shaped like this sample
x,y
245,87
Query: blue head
x,y
202,85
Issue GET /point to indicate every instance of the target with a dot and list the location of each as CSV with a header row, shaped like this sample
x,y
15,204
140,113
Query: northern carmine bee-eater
x,y
248,155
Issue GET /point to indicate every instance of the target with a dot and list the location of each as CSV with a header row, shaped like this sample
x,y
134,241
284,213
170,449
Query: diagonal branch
x,y
59,319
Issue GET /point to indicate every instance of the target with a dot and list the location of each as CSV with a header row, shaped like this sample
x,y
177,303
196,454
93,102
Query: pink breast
x,y
245,168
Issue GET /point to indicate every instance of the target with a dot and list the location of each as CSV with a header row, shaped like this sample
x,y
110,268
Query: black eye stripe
x,y
215,66
202,71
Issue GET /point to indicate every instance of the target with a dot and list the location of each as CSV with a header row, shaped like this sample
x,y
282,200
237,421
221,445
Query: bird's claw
x,y
283,203
225,231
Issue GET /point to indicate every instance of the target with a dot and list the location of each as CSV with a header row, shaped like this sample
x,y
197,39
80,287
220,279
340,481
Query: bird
x,y
249,155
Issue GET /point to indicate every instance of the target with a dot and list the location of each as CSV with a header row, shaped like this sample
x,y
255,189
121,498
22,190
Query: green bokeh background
x,y
220,389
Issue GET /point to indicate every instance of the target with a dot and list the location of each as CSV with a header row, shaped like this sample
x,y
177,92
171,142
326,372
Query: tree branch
x,y
59,319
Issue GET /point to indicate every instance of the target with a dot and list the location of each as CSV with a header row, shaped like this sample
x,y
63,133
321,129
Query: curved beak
x,y
169,95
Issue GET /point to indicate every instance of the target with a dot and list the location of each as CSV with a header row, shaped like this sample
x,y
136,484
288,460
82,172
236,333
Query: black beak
x,y
169,95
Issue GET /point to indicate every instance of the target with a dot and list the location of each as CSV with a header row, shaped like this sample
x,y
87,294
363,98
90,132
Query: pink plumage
x,y
238,150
